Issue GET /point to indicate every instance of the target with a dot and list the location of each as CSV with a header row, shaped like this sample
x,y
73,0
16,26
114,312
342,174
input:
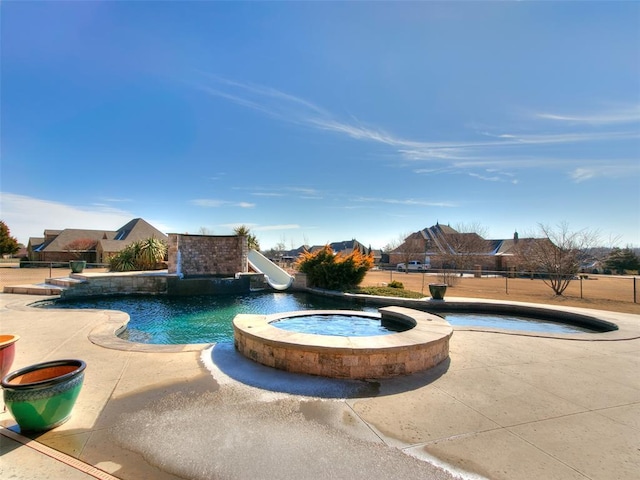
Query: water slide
x,y
276,277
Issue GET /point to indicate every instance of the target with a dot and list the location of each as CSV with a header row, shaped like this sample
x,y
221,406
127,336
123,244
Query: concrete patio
x,y
503,407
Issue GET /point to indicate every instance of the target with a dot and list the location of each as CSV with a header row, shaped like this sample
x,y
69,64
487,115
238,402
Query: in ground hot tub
x,y
423,344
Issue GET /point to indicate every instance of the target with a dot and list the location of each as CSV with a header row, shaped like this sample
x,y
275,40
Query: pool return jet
x,y
275,276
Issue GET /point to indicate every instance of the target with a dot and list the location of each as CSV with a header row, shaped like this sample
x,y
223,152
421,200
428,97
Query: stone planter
x,y
41,396
7,352
77,266
437,290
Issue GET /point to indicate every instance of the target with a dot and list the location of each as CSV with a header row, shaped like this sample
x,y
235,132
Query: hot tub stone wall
x,y
418,349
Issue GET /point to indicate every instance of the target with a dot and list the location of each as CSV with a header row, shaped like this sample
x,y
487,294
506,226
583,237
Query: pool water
x,y
208,318
511,322
200,318
336,325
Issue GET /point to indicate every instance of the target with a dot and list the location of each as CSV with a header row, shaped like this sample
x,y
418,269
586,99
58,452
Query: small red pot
x,y
7,352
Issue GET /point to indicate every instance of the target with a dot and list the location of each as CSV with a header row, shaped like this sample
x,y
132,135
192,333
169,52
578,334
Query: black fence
x,y
581,285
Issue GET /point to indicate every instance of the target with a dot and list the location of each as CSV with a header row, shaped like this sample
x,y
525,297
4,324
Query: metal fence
x,y
585,286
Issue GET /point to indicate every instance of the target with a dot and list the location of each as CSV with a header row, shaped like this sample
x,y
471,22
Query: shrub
x,y
327,270
395,284
141,255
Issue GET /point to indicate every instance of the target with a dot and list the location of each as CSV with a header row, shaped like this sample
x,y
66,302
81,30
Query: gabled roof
x,y
136,229
111,246
69,235
35,241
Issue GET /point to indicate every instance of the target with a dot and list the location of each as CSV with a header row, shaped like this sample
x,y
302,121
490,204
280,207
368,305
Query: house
x,y
94,246
444,247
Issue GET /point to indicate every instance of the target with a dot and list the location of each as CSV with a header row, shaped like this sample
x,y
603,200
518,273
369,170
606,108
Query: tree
x,y
81,247
620,260
8,244
459,249
252,240
557,253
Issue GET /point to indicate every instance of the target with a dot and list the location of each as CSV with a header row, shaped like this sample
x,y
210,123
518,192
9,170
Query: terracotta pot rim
x,y
6,381
9,341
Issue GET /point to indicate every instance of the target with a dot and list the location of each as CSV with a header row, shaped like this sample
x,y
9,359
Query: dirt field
x,y
601,292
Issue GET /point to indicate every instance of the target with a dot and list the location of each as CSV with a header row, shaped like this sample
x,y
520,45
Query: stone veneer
x,y
89,285
202,255
419,348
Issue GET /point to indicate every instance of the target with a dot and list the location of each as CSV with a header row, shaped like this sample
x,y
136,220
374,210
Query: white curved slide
x,y
276,277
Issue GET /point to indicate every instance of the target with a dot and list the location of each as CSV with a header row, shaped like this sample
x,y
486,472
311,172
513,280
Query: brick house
x,y
94,246
444,247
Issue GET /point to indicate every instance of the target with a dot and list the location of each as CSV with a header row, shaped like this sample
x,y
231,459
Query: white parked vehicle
x,y
413,265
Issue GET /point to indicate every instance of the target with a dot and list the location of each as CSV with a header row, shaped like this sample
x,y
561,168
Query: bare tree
x,y
81,248
557,253
460,248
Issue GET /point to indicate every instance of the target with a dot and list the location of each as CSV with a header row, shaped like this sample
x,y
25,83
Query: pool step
x,y
37,289
66,282
51,286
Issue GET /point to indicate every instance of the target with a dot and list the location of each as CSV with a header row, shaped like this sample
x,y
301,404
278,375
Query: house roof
x,y
69,235
111,246
138,229
443,238
135,230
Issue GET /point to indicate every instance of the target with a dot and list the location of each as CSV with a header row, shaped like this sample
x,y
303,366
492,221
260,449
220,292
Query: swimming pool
x,y
208,318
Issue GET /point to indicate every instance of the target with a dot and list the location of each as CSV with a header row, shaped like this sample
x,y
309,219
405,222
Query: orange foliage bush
x,y
326,269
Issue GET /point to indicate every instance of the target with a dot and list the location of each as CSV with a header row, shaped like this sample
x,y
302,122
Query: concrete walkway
x,y
503,407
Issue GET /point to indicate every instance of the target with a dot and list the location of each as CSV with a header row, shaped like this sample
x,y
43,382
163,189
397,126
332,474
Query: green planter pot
x,y
41,396
437,290
77,266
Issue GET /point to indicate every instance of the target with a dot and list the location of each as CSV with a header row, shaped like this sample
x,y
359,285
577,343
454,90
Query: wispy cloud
x,y
404,201
215,203
494,176
481,148
286,191
268,228
115,200
629,114
614,170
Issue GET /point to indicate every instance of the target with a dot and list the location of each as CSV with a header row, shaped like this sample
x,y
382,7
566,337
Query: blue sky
x,y
313,122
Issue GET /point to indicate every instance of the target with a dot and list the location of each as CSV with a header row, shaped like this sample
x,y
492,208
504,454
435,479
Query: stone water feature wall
x,y
207,255
151,283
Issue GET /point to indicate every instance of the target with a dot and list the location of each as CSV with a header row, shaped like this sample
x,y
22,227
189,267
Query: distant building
x,y
344,248
94,246
443,247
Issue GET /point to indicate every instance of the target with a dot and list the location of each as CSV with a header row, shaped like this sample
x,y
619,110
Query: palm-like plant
x,y
141,255
252,240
